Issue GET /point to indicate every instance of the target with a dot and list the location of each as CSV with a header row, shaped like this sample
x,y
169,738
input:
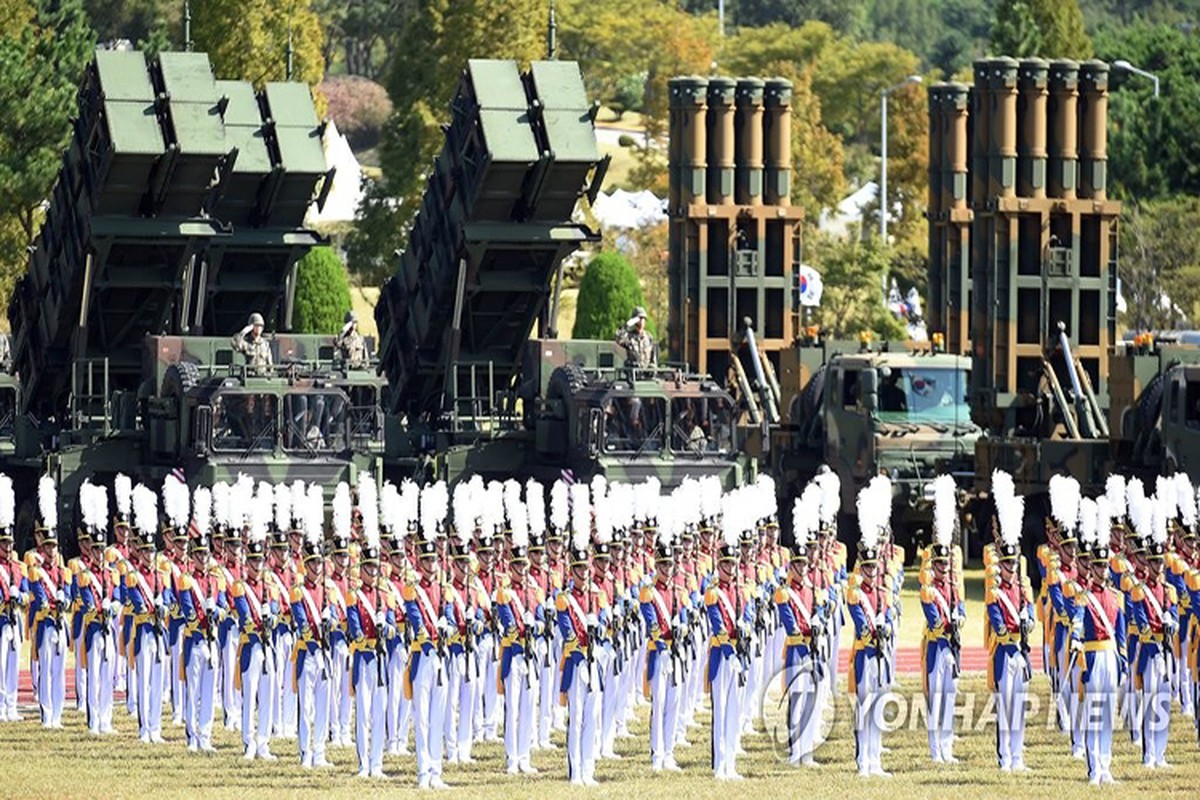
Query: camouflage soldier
x,y
350,343
638,343
251,343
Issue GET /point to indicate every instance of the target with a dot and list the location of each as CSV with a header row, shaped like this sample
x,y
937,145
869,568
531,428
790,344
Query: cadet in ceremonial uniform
x,y
870,604
368,623
399,574
145,604
48,585
14,596
204,599
666,616
637,341
942,603
730,623
339,653
1010,617
519,617
1099,632
311,618
257,609
97,593
803,626
1154,608
251,343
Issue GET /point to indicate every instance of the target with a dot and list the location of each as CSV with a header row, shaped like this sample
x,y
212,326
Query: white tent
x,y
342,203
622,209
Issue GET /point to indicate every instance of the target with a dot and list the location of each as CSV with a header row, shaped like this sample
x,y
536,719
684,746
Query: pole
x,y
721,17
552,35
883,208
187,26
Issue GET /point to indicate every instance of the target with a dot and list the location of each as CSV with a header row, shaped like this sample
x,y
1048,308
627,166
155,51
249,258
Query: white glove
x,y
210,605
591,621
106,606
346,328
247,329
327,615
528,619
632,323
61,597
380,618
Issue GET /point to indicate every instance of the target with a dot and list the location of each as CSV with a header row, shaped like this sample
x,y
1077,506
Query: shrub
x,y
359,107
607,296
322,293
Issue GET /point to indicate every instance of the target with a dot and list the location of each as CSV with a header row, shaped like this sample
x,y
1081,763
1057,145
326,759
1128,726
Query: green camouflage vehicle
x,y
865,411
178,211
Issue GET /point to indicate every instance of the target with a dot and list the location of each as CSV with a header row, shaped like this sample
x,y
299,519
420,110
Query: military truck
x,y
178,211
895,408
477,381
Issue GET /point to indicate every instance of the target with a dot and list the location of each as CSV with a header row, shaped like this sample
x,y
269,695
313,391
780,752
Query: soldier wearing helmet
x,y
251,343
637,341
350,343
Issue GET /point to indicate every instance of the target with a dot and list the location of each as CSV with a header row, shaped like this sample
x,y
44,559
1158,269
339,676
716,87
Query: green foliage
x,y
630,94
853,272
1045,28
248,39
135,20
1160,256
845,16
607,296
322,293
1153,148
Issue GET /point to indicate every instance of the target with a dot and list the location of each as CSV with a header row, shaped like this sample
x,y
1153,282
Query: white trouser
x,y
198,693
174,677
1099,713
429,715
547,694
868,716
519,690
399,707
339,718
1156,713
283,721
460,709
1010,711
101,660
803,694
1183,673
150,672
942,688
666,689
52,674
313,708
258,684
609,702
370,701
726,714
489,717
81,678
10,650
583,725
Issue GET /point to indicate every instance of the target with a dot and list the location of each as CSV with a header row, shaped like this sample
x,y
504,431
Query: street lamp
x,y
1125,65
883,107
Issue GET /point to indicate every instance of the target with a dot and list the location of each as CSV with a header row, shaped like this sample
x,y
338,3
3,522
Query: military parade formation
x,y
425,620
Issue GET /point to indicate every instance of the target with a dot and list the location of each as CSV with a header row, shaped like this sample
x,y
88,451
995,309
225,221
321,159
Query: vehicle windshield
x,y
244,422
315,421
633,424
921,394
701,425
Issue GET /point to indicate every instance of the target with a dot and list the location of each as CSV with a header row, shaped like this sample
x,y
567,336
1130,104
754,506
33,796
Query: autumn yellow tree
x,y
248,39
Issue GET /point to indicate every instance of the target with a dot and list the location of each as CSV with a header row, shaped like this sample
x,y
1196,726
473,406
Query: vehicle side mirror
x,y
202,429
868,389
595,431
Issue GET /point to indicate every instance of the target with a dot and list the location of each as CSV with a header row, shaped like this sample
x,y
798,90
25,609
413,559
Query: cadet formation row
x,y
491,613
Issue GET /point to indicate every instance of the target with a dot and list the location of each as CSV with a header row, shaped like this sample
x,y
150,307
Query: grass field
x,y
69,763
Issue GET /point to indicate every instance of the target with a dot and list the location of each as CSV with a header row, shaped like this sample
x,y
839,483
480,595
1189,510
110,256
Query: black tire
x,y
565,382
1146,412
181,378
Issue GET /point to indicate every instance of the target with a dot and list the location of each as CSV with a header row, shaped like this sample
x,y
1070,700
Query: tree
x,y
44,47
607,296
846,16
853,272
1045,28
248,39
359,106
1160,263
322,293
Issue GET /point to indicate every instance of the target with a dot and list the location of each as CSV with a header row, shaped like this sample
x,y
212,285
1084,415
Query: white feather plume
x,y
145,509
732,513
831,496
512,500
1164,490
519,524
202,506
93,514
1135,491
410,505
806,512
599,487
1104,516
535,506
602,517
8,503
1010,513
176,502
1089,532
123,493
621,502
1185,498
464,509
1114,492
314,514
1158,529
581,512
389,508
243,500
282,496
710,497
560,506
341,510
299,498
1064,501
48,501
1003,488
262,514
945,509
1141,513
222,495
872,515
435,501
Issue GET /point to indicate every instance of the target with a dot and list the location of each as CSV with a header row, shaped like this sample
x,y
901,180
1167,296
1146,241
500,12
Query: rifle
x,y
268,629
380,644
742,647
952,622
159,609
1025,628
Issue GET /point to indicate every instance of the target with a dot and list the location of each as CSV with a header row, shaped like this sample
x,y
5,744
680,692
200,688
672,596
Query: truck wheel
x,y
181,377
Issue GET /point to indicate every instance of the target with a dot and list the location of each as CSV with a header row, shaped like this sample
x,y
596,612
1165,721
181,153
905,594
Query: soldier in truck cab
x,y
251,343
637,341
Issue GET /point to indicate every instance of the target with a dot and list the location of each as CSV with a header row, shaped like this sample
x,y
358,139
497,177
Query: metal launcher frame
x,y
485,253
1023,254
735,238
